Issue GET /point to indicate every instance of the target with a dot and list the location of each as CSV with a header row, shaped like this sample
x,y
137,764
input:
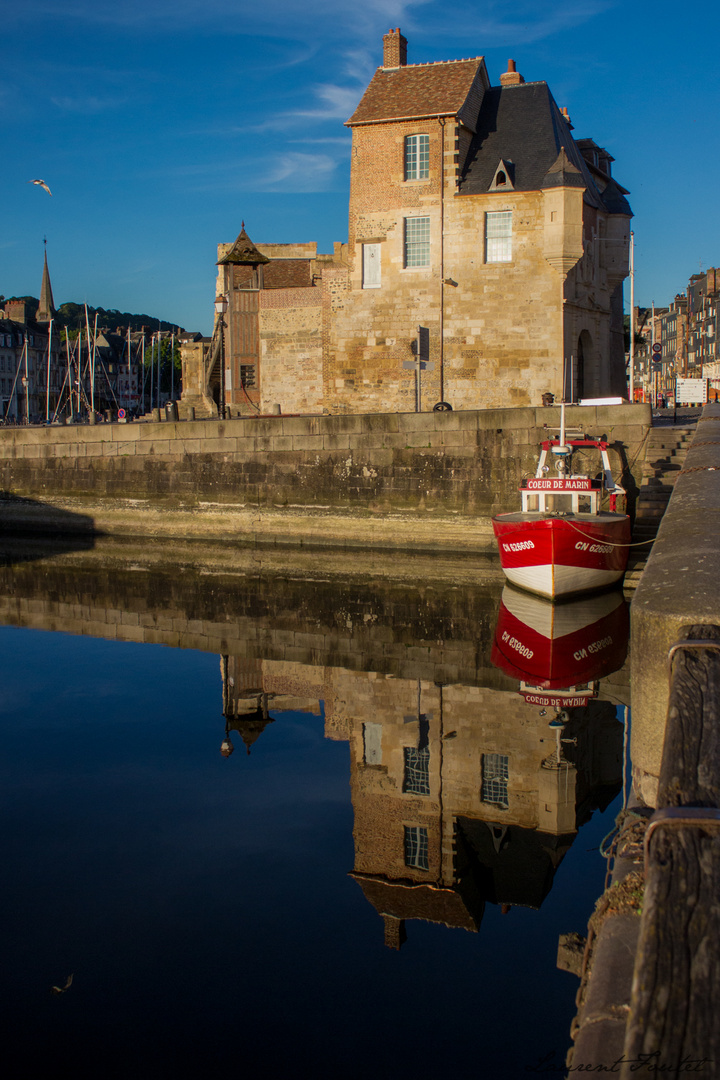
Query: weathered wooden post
x,y
674,1022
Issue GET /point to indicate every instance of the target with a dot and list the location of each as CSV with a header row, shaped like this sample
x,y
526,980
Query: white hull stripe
x,y
553,581
556,622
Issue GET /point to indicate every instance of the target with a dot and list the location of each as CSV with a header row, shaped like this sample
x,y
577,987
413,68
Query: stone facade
x,y
474,214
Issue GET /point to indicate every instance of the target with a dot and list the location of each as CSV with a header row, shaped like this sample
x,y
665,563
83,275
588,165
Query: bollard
x,y
191,412
276,410
156,415
171,410
92,419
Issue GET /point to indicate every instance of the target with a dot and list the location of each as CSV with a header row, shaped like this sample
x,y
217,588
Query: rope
x,y
588,536
700,468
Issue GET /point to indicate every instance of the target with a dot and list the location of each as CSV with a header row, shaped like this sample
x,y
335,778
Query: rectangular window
x,y
417,157
416,779
372,744
498,236
495,779
371,266
416,847
417,241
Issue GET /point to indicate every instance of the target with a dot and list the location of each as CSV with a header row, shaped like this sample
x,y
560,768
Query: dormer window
x,y
417,157
503,178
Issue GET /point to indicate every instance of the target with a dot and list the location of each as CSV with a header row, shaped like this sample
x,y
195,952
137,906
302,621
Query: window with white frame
x,y
417,157
498,236
371,266
495,773
417,241
416,776
416,847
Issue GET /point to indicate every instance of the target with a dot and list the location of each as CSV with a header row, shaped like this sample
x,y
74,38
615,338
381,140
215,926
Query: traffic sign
x,y
657,347
121,414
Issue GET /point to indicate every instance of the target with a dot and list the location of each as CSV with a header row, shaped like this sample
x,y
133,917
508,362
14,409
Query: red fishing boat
x,y
562,542
560,651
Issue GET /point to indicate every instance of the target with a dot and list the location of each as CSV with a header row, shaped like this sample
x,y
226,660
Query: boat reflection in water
x,y
565,648
463,795
174,875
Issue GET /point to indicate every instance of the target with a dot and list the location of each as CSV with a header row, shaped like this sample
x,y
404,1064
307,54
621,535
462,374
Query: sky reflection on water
x,y
204,905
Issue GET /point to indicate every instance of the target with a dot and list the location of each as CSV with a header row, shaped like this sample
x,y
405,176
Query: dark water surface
x,y
228,915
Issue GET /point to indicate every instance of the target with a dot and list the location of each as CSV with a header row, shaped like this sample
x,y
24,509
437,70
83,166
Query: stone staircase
x,y
665,454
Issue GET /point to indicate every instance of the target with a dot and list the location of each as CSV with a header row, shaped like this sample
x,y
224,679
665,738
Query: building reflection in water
x,y
464,795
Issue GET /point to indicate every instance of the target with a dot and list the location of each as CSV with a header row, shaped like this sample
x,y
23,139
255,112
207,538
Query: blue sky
x,y
160,125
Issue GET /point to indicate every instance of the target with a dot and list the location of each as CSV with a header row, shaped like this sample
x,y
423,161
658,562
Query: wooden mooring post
x,y
674,1022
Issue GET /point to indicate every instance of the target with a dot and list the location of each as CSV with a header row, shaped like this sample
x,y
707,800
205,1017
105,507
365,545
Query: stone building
x,y
474,215
459,796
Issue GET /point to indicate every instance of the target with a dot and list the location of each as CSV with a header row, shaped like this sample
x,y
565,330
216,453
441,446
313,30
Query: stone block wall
x,y
679,588
445,464
291,341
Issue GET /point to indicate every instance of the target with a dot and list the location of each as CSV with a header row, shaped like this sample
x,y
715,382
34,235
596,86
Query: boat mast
x,y
47,392
27,385
69,372
632,318
92,372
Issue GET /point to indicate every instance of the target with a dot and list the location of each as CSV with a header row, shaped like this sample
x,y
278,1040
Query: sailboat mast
x,y
47,392
94,349
69,372
27,385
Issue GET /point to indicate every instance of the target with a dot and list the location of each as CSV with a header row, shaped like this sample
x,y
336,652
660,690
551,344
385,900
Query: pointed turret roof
x,y
46,308
243,252
250,726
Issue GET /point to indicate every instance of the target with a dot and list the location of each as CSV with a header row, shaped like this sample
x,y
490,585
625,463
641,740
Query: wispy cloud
x,y
496,23
88,105
278,17
289,172
296,171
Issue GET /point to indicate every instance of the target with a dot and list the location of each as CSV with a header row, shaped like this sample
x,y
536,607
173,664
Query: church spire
x,y
46,310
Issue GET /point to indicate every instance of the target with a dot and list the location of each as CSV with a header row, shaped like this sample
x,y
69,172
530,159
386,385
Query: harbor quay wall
x,y
289,477
160,594
680,587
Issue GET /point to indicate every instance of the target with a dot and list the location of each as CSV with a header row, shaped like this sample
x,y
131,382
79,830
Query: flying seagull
x,y
42,184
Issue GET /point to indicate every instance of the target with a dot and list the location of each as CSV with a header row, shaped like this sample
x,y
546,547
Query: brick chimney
x,y
394,49
511,77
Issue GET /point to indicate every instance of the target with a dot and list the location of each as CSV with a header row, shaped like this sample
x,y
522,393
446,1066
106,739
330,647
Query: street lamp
x,y
221,306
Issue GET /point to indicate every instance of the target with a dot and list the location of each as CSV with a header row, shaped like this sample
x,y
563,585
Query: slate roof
x,y
522,124
418,90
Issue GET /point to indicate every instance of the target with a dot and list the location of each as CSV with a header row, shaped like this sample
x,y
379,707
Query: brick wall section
x,y
445,463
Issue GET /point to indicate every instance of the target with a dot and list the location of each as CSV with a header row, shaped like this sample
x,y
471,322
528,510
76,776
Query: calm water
x,y
231,914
